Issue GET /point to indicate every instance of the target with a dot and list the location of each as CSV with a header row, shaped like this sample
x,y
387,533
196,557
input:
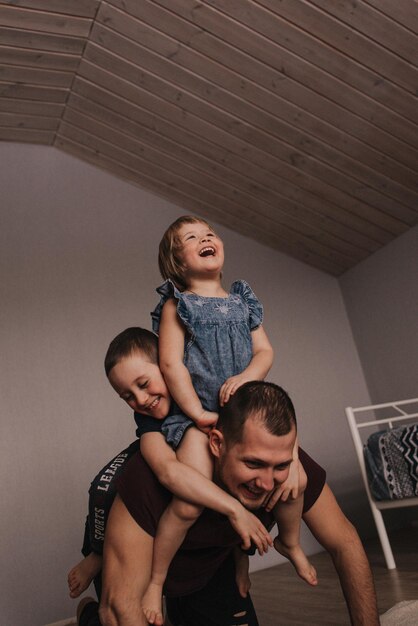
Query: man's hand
x,y
250,529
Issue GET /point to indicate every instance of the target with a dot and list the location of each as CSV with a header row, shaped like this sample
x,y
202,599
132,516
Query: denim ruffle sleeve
x,y
168,290
243,289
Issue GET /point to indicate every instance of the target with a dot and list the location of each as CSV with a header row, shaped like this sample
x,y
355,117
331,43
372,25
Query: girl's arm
x,y
176,375
190,485
257,369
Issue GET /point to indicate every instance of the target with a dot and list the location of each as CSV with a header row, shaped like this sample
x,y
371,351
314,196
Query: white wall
x,y
78,264
381,297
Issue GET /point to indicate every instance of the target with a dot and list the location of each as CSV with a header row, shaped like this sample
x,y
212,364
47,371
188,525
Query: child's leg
x,y
174,523
102,492
288,516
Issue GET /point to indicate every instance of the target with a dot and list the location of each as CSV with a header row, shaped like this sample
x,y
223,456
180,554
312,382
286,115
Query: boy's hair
x,y
267,402
128,342
168,258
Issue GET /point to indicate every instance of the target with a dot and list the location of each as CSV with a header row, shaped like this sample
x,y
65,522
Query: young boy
x,y
131,366
135,349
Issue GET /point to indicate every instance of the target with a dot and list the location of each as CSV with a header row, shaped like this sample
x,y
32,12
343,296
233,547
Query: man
x,y
252,449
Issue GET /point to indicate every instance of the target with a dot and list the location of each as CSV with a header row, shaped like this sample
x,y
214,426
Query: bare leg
x,y
288,515
174,524
172,529
82,574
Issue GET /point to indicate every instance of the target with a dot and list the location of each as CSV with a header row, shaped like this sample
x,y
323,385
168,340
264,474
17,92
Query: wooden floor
x,y
282,599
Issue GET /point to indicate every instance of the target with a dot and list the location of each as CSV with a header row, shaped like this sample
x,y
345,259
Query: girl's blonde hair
x,y
170,245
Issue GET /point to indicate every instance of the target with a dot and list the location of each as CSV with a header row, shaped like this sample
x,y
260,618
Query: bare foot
x,y
152,604
81,575
299,561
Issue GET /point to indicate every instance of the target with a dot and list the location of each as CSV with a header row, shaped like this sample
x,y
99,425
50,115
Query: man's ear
x,y
216,442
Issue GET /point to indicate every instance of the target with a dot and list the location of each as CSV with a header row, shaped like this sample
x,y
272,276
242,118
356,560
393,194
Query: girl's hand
x,y
292,488
250,529
230,386
206,421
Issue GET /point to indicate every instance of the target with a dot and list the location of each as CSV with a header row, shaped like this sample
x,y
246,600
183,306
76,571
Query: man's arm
x,y
333,530
126,571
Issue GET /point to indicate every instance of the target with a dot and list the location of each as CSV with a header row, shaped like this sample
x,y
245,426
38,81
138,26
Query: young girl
x,y
210,343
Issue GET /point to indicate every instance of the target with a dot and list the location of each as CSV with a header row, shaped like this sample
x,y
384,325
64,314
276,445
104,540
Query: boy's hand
x,y
250,529
206,421
292,487
230,386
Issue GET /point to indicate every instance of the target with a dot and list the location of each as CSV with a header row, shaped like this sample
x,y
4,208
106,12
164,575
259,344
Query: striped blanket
x,y
392,463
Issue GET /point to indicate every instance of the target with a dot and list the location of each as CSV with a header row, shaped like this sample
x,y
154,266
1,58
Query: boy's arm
x,y
257,369
177,377
190,485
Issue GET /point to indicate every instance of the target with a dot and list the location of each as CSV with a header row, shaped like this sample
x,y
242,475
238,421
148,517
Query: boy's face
x,y
141,384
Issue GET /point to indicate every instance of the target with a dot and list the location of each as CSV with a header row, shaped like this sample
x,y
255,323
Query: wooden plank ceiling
x,y
291,121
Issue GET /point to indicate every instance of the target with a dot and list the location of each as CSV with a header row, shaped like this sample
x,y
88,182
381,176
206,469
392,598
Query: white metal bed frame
x,y
377,505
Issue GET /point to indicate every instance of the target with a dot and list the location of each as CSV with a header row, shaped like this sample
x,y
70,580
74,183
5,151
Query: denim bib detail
x,y
218,340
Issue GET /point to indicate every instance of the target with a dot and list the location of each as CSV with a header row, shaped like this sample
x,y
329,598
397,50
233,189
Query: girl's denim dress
x,y
217,344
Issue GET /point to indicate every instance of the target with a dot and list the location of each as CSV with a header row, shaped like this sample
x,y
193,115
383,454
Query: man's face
x,y
251,469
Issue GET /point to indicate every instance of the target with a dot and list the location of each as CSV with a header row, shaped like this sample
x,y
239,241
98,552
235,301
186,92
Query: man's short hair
x,y
128,342
267,402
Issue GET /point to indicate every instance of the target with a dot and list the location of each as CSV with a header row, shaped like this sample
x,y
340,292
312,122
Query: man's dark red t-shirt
x,y
211,538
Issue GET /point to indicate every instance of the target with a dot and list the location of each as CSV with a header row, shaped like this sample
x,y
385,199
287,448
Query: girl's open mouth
x,y
207,251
